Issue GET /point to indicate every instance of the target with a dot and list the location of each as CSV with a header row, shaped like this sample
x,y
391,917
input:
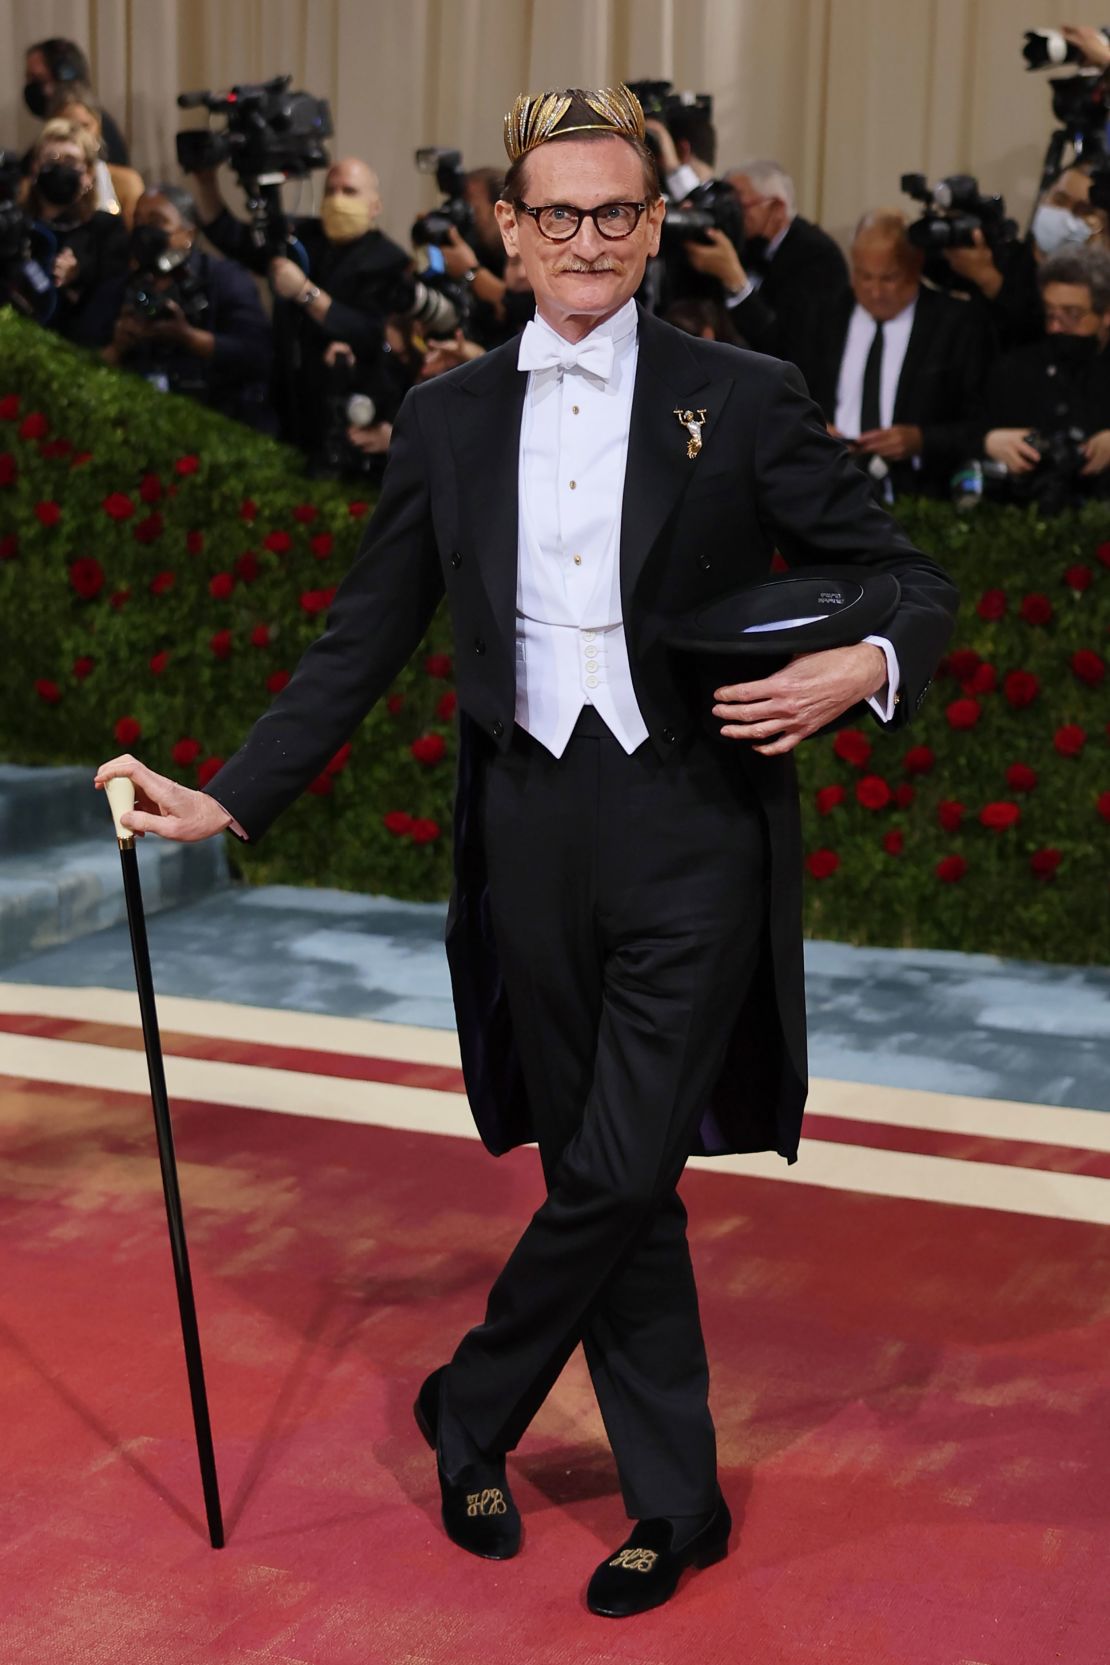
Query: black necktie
x,y
869,416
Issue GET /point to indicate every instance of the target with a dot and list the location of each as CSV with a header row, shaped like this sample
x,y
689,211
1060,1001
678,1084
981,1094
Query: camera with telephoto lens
x,y
1079,103
954,210
1048,47
454,212
25,281
271,134
1053,485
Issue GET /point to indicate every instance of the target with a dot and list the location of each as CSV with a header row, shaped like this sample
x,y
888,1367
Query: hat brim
x,y
789,614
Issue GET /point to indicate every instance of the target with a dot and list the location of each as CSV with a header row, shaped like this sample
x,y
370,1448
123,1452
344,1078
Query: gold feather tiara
x,y
532,120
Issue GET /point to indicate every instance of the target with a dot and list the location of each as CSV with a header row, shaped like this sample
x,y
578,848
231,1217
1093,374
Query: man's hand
x,y
162,806
1011,446
719,259
286,278
976,265
336,350
173,330
781,710
1097,452
897,443
1090,41
458,256
374,440
668,155
129,330
448,355
65,268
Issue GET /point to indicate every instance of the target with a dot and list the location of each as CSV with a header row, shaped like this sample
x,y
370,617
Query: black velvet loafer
x,y
478,1509
644,1572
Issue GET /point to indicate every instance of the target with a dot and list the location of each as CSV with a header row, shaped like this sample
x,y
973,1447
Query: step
x,y
67,890
43,806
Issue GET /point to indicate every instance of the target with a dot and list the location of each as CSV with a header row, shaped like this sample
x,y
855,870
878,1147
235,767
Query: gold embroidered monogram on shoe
x,y
489,1502
635,1560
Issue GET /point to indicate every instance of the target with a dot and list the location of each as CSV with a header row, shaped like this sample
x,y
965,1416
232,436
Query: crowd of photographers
x,y
949,353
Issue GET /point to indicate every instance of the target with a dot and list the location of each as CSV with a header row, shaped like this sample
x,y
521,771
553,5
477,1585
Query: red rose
x,y
1102,553
248,510
1020,777
194,543
950,814
318,601
894,841
9,407
321,787
429,749
1036,608
118,506
445,705
211,766
185,752
55,448
398,822
951,869
1103,805
48,691
357,510
220,644
873,792
1088,667
83,668
118,598
34,426
1070,740
1021,688
963,714
150,488
320,544
150,529
1043,863
394,704
186,465
305,513
822,864
424,832
48,512
278,543
246,567
827,798
853,747
80,458
1078,578
162,583
221,585
991,604
9,547
999,816
963,663
438,664
159,661
127,731
983,680
277,680
339,761
904,795
87,577
8,470
260,636
919,760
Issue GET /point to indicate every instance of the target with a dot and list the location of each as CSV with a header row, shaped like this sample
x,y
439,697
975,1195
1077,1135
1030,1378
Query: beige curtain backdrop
x,y
847,94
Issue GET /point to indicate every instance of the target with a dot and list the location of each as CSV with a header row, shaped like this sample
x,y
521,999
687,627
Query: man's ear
x,y
508,226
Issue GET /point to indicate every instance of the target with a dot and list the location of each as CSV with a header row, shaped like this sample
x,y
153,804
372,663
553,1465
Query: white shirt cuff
x,y
682,181
883,703
232,824
735,296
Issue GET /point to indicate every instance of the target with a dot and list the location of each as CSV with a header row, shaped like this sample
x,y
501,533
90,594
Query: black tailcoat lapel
x,y
486,442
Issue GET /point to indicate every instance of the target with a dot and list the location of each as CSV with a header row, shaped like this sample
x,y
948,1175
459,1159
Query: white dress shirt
x,y
570,644
853,362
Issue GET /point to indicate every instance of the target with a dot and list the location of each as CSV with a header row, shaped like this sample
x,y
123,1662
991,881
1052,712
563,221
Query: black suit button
x,y
497,728
669,735
479,645
704,562
456,559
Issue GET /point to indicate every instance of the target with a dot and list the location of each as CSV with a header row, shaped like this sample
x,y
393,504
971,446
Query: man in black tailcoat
x,y
625,932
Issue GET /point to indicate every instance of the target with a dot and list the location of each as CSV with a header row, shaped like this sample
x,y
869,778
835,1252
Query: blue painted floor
x,y
953,1023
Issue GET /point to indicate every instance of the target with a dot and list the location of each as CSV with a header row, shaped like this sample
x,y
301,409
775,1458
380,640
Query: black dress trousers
x,y
628,898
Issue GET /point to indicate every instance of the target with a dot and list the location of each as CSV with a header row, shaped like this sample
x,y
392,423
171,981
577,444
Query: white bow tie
x,y
540,350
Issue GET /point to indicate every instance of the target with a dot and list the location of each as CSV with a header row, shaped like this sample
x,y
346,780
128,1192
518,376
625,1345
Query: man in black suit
x,y
896,366
625,933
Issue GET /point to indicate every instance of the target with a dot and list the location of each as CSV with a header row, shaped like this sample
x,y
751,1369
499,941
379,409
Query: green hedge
x,y
107,487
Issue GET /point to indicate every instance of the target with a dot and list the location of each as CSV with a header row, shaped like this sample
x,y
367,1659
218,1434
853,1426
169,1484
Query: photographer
x,y
117,188
356,277
685,144
1045,408
500,311
88,248
52,65
187,322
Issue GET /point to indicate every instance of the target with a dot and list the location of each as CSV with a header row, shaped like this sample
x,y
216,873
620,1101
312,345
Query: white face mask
x,y
1053,228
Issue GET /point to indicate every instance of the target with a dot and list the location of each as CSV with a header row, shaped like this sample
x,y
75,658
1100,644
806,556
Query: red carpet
x,y
912,1401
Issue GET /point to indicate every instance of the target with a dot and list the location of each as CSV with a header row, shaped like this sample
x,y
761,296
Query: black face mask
x,y
34,96
1072,352
60,183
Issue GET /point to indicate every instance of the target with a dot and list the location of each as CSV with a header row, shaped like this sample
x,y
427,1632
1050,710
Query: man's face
x,y
1068,311
1072,191
37,69
763,216
476,194
352,178
884,277
588,276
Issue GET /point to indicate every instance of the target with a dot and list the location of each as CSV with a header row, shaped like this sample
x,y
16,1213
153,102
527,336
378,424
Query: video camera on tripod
x,y
271,134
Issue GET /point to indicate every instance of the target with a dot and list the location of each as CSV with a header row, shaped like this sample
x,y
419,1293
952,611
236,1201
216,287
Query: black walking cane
x,y
121,798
